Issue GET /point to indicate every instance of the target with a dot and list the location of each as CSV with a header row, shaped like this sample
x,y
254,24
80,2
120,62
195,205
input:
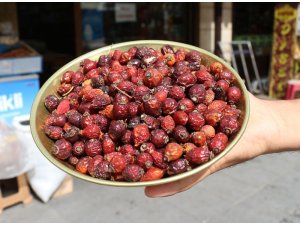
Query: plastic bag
x,y
14,156
44,178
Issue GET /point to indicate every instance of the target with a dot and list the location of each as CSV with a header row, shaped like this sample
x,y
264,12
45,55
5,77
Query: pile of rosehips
x,y
142,114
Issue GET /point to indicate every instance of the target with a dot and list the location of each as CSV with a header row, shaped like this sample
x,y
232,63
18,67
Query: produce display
x,y
143,114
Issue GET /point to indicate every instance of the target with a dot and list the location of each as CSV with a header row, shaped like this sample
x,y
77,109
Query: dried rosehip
x,y
133,173
117,129
223,84
97,81
193,56
234,94
147,147
167,124
180,118
152,78
216,68
140,91
209,131
100,102
159,138
56,120
226,75
91,131
194,66
181,134
77,78
188,147
198,155
220,94
73,160
66,77
51,102
91,74
127,149
127,138
63,107
141,134
108,145
229,125
217,105
209,96
180,54
53,132
108,112
83,163
176,92
78,148
203,75
92,147
102,170
170,59
186,105
196,121
201,108
167,49
218,143
169,106
152,105
73,98
150,121
117,164
153,173
74,117
158,159
62,149
186,80
149,59
198,138
89,94
72,134
173,151
64,88
144,160
231,111
178,166
197,93
104,60
161,95
120,110
88,65
93,164
212,117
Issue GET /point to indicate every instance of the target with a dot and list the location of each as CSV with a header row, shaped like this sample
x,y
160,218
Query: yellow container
x,y
39,112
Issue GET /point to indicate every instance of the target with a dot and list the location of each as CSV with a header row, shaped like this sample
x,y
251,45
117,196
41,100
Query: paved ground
x,y
263,190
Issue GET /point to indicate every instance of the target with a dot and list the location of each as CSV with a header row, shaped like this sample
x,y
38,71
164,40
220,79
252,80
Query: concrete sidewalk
x,y
265,189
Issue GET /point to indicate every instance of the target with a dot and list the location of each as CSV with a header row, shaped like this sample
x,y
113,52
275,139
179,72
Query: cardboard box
x,y
17,94
24,60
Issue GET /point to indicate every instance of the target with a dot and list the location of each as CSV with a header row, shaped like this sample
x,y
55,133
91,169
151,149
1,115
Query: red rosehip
x,y
193,56
72,134
147,147
196,121
62,149
180,118
102,170
201,108
152,78
64,88
53,132
127,138
161,95
92,147
223,84
141,134
209,131
169,106
198,138
144,160
152,105
197,93
150,121
120,110
66,77
209,96
203,75
82,165
91,131
188,147
178,166
153,173
186,80
217,105
226,75
181,134
167,124
216,68
140,91
127,149
77,78
63,107
88,65
159,138
186,105
78,148
212,117
158,159
73,160
100,102
51,102
117,164
198,155
74,117
173,151
132,122
218,142
93,164
234,94
176,92
117,129
180,54
133,173
108,145
229,125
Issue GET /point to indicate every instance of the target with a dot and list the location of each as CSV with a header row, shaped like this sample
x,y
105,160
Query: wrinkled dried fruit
x,y
173,151
198,155
196,121
229,125
197,93
181,134
51,102
78,148
133,173
62,149
169,106
127,149
186,105
178,166
127,138
218,143
63,107
117,164
153,173
234,94
117,129
53,132
167,124
141,134
91,131
83,163
93,164
180,118
198,138
159,138
176,92
144,160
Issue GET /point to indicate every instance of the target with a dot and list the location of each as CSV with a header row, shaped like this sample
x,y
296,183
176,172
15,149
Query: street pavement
x,y
266,189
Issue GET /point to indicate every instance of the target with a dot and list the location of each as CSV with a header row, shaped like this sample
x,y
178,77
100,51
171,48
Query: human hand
x,y
255,141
